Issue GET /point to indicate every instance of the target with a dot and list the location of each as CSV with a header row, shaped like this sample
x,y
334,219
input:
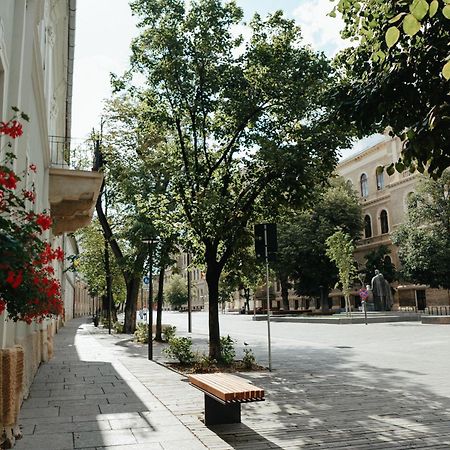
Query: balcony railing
x,y
75,154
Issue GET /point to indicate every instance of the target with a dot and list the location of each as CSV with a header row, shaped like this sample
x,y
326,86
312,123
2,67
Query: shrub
x,y
118,327
141,333
204,364
180,348
227,351
249,359
169,332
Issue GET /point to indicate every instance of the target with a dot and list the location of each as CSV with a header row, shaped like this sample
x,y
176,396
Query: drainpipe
x,y
72,5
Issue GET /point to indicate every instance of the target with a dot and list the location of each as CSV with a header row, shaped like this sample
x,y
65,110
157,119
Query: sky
x,y
105,28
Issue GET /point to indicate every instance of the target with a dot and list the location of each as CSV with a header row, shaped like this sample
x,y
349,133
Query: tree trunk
x,y
132,284
158,336
213,271
285,292
247,299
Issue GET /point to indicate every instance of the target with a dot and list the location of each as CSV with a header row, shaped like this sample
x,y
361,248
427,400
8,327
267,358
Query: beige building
x,y
36,66
384,202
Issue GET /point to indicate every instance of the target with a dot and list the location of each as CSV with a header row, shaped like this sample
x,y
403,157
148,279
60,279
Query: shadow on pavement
x,y
85,398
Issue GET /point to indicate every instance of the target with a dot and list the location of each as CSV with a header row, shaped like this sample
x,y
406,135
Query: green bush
x,y
227,351
180,348
249,359
141,333
118,327
204,364
169,332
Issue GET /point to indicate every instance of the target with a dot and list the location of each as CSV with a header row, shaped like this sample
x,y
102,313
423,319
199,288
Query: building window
x,y
367,227
384,222
364,185
380,178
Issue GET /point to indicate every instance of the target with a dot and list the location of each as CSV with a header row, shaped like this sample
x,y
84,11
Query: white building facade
x,y
36,66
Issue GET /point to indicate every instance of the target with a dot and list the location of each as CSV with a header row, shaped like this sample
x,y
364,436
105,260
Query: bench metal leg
x,y
217,413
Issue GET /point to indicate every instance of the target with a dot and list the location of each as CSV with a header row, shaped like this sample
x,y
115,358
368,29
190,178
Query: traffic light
x,y
261,230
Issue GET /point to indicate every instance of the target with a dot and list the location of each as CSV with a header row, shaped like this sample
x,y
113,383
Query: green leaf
x,y
411,25
390,169
392,35
433,8
397,17
446,11
332,13
446,70
419,9
15,108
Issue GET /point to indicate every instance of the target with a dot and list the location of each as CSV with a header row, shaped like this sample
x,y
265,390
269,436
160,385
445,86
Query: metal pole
x,y
268,296
189,293
150,303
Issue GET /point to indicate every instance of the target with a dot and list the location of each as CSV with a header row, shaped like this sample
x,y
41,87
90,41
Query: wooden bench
x,y
224,394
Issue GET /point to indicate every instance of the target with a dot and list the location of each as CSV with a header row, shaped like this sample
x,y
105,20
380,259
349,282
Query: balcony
x,y
73,188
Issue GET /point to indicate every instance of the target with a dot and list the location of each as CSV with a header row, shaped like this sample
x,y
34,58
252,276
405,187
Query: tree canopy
x,y
397,76
302,239
246,126
424,238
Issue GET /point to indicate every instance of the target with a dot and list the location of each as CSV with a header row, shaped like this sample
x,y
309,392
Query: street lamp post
x,y
150,242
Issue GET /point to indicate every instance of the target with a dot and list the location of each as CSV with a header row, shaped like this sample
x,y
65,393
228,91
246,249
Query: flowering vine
x,y
28,288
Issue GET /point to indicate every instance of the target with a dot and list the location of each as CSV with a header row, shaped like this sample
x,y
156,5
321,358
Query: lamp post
x,y
150,242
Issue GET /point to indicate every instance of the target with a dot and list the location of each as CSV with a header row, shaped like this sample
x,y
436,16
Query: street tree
x,y
379,259
398,75
90,263
141,201
340,249
302,257
176,291
423,240
244,122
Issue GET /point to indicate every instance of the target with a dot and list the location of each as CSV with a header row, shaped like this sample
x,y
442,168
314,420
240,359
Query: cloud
x,y
318,29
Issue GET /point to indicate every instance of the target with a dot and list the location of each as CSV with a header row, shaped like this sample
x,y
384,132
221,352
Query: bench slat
x,y
227,387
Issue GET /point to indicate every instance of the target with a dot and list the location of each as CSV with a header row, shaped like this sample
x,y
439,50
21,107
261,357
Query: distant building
x,y
384,202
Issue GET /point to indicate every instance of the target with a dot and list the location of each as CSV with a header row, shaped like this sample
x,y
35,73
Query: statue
x,y
381,292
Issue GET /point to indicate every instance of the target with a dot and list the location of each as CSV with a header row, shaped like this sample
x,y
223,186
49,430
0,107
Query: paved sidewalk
x,y
98,393
101,392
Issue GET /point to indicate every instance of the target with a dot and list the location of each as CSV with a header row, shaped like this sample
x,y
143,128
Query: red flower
x,y
2,306
13,280
30,195
8,180
33,167
13,128
59,254
44,221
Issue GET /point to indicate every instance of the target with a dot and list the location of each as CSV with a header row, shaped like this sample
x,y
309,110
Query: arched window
x,y
380,178
384,222
364,185
367,227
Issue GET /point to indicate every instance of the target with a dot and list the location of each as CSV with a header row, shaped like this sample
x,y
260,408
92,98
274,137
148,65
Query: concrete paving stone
x,y
79,402
112,416
138,422
66,395
103,438
56,441
148,446
122,408
76,410
182,445
30,412
73,427
168,433
38,394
